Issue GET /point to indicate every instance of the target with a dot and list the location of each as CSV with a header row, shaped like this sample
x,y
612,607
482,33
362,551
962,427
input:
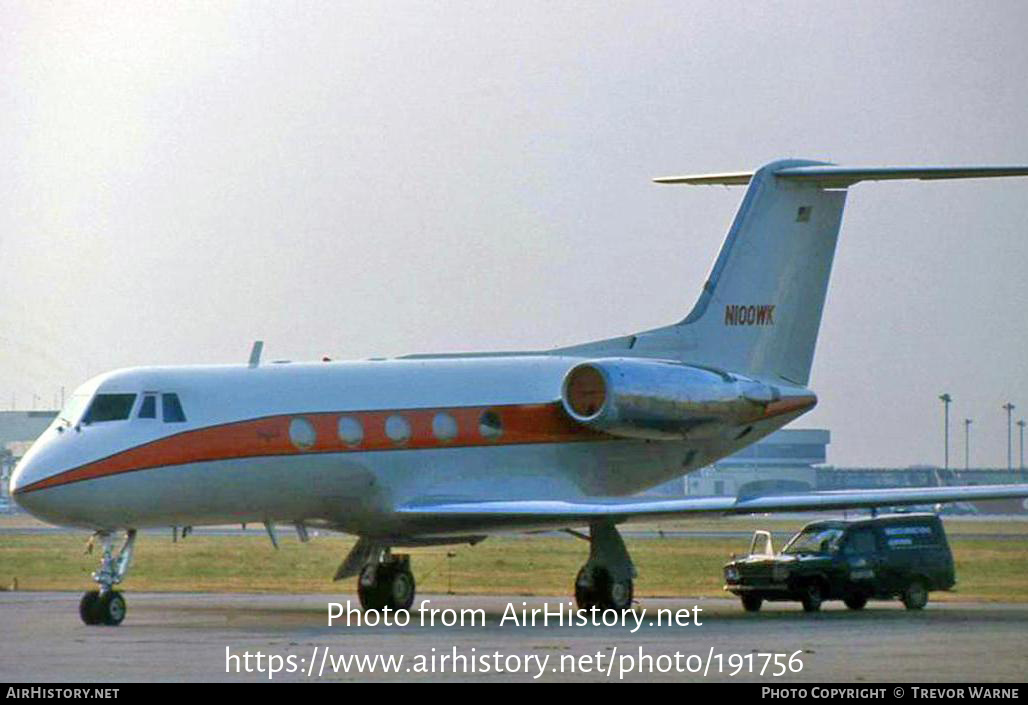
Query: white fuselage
x,y
340,444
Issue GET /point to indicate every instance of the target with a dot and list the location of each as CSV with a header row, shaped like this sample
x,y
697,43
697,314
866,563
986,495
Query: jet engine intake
x,y
661,400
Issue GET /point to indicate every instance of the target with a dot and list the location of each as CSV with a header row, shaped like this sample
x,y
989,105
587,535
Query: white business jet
x,y
446,449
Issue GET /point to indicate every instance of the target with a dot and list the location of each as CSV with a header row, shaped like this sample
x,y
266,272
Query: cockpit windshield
x,y
109,407
85,407
814,539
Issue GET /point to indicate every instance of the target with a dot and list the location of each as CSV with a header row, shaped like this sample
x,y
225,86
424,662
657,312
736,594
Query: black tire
x,y
856,602
400,587
585,596
110,608
605,593
915,596
619,595
87,607
812,597
611,594
372,596
752,603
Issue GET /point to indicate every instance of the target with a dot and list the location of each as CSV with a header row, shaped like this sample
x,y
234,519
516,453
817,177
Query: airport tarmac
x,y
184,637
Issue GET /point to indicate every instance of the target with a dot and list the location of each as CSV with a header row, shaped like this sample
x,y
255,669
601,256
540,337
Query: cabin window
x,y
148,409
398,429
490,426
444,427
350,431
109,407
302,433
172,409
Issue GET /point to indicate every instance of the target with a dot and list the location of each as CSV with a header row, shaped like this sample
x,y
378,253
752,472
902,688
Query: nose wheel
x,y
107,608
106,605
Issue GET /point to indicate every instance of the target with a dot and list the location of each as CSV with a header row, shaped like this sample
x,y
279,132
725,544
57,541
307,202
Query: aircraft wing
x,y
532,514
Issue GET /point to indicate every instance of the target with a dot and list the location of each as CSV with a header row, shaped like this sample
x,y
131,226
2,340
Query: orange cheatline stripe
x,y
269,436
521,423
788,405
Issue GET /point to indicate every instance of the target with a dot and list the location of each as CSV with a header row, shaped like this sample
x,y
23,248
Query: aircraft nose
x,y
30,470
16,483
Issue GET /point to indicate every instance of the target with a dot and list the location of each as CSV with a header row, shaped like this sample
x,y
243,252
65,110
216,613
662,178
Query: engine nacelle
x,y
661,400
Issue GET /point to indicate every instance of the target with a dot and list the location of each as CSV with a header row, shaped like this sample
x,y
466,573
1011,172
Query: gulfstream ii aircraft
x,y
445,449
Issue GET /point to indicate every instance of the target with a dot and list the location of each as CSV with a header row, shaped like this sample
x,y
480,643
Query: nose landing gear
x,y
107,605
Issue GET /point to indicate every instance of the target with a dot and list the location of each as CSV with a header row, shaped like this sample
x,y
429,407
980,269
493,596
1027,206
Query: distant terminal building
x,y
17,431
833,478
794,460
785,461
829,478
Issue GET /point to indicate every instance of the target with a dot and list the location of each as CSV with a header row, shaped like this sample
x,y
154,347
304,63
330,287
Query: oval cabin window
x,y
444,427
398,429
350,431
490,426
302,434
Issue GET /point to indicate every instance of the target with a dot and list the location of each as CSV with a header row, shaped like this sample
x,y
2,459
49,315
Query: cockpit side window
x,y
109,407
148,409
172,409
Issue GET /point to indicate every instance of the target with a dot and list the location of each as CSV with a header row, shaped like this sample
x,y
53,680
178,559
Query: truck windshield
x,y
815,539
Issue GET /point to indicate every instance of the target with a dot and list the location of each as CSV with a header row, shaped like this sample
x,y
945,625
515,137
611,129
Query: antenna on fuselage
x,y
255,353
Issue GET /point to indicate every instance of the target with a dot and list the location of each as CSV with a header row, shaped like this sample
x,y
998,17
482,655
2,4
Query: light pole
x,y
946,399
967,443
1020,428
1010,459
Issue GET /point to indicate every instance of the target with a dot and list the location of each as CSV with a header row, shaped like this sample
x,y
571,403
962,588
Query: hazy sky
x,y
376,178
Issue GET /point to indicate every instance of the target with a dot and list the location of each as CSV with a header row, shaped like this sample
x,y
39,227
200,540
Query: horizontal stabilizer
x,y
731,178
831,176
530,514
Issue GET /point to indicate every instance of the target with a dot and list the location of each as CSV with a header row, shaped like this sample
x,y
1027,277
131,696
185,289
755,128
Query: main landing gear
x,y
107,605
385,580
386,583
605,581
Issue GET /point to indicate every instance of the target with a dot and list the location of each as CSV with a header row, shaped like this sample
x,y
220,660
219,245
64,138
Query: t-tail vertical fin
x,y
760,309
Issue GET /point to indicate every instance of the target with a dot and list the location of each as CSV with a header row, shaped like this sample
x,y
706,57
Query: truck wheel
x,y
915,597
752,603
812,596
856,602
